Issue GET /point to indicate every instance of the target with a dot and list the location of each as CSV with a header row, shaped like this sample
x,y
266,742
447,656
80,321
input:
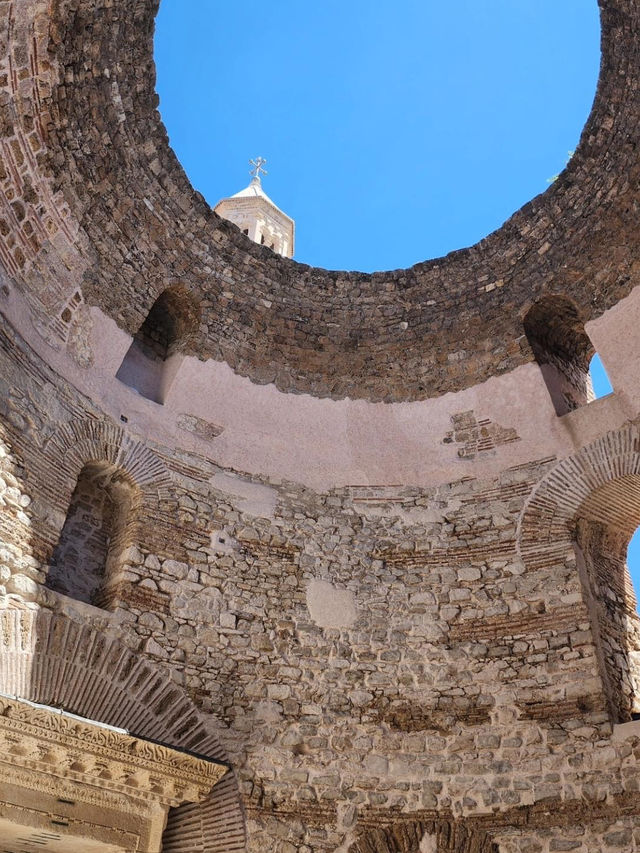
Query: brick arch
x,y
575,487
447,836
53,660
84,444
81,441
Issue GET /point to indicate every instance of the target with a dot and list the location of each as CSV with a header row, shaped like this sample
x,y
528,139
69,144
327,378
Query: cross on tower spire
x,y
257,167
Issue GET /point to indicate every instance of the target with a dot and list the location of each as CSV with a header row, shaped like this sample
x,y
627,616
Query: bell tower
x,y
257,216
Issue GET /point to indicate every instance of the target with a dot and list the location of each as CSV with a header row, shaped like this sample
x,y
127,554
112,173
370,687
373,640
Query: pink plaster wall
x,y
325,443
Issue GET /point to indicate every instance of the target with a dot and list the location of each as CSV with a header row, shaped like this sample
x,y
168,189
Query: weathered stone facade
x,y
406,625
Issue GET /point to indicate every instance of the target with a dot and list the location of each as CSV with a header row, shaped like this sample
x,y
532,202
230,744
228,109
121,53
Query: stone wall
x,y
96,531
98,206
367,652
405,627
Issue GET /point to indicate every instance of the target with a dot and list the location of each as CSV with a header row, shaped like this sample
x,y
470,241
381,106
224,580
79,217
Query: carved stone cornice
x,y
57,744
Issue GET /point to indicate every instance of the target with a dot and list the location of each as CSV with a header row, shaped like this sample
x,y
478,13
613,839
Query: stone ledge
x,y
624,731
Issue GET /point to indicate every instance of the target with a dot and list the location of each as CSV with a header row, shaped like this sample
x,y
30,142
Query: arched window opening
x,y
154,356
609,550
98,528
563,351
600,382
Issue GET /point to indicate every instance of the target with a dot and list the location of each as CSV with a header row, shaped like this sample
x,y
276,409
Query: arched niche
x,y
590,502
562,349
155,354
99,526
99,469
603,529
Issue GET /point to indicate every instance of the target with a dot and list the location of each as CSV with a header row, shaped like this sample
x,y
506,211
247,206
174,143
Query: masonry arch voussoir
x,y
546,525
435,836
53,660
81,441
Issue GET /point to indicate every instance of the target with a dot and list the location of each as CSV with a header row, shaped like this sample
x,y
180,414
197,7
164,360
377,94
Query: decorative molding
x,y
56,744
51,659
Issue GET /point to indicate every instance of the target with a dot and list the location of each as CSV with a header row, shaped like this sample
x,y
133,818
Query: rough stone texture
x,y
443,663
97,205
469,683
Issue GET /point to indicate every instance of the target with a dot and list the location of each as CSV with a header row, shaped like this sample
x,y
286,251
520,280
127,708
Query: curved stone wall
x,y
412,620
90,147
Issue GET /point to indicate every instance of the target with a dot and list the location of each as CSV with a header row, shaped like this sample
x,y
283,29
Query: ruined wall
x,y
97,205
369,652
408,625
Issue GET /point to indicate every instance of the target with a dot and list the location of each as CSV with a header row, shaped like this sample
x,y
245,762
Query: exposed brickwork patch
x,y
200,427
476,436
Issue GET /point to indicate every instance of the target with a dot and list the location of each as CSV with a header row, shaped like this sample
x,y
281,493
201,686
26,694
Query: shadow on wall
x,y
155,354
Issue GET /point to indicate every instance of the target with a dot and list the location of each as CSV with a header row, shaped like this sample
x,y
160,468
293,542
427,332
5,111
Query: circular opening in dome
x,y
394,133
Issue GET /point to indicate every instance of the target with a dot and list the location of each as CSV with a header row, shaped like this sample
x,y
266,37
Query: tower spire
x,y
257,216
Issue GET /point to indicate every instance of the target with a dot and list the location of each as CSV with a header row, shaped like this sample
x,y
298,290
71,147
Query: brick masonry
x,y
386,666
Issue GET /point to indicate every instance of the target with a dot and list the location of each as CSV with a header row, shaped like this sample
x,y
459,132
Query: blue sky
x,y
394,133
